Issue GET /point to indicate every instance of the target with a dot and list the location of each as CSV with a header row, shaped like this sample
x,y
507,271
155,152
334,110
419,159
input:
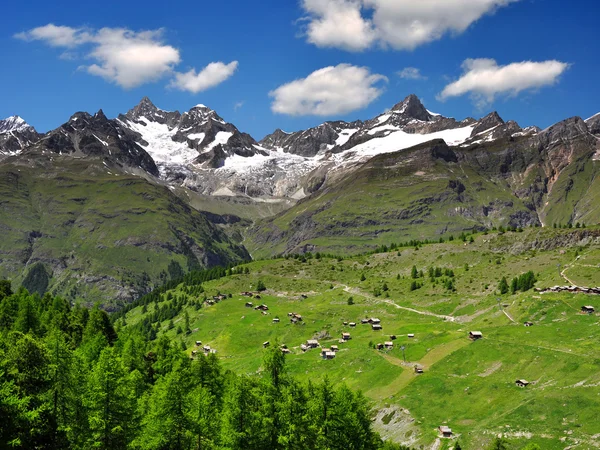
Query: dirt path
x,y
508,315
407,376
567,267
357,291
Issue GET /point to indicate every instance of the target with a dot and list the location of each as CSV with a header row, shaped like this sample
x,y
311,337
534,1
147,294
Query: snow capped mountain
x,y
593,124
312,141
14,123
200,151
15,135
198,137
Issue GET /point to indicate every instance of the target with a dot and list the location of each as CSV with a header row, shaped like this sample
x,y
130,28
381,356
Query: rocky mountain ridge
x,y
102,187
15,135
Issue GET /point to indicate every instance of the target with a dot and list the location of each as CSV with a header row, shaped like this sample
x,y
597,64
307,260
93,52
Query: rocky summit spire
x,y
492,120
144,108
412,107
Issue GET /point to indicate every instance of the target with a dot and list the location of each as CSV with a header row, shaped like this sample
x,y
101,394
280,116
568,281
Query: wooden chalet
x,y
326,353
335,348
522,383
249,305
352,324
312,343
528,324
376,327
198,343
418,369
346,336
276,320
266,344
588,309
475,335
445,431
379,346
411,335
389,345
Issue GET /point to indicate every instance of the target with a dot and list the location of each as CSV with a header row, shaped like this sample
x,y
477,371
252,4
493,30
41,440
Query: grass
x,y
467,385
101,235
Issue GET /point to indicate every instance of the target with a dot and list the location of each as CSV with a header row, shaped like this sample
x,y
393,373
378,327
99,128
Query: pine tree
x,y
499,444
503,286
110,404
166,424
27,318
414,272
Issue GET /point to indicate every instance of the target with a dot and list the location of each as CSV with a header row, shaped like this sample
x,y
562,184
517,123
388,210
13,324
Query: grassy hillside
x,y
82,229
421,193
469,386
432,190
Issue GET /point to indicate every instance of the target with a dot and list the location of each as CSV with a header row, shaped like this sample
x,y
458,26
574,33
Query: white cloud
x,y
131,59
212,75
411,73
56,36
484,79
124,57
338,23
401,24
238,106
328,91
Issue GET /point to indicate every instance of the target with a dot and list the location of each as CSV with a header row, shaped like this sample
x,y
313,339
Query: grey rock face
x,y
15,135
97,136
310,142
593,124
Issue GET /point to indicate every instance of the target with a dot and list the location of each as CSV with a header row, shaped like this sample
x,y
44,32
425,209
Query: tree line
x,y
69,380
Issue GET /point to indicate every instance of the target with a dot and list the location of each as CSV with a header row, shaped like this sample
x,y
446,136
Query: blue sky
x,y
274,42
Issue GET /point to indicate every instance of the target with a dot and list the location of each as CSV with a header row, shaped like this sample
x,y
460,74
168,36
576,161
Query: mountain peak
x,y
14,123
492,120
100,115
412,107
146,102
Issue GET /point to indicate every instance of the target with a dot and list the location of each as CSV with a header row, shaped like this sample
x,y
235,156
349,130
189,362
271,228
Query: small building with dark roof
x,y
475,335
445,431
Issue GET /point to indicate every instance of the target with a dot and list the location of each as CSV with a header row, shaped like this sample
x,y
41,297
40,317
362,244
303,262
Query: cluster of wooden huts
x,y
573,289
205,350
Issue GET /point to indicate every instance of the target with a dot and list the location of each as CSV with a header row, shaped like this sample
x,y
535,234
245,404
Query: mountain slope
x,y
498,176
82,230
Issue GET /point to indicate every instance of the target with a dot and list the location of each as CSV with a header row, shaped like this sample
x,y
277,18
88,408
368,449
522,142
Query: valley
x,y
558,355
343,188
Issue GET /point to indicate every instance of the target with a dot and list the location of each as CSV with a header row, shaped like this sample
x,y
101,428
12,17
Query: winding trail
x,y
567,267
357,291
